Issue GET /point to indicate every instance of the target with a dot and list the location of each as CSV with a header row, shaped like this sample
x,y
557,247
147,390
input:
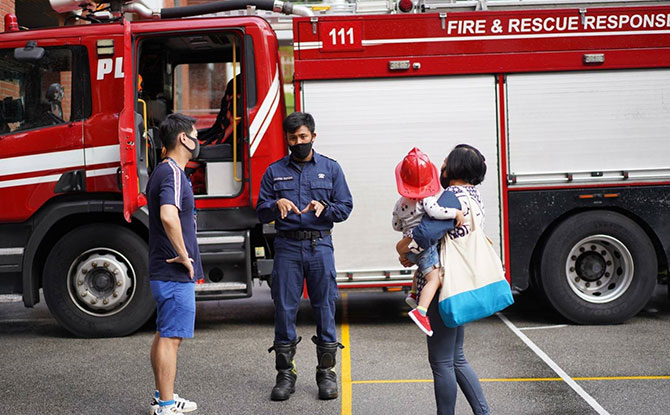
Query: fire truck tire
x,y
96,281
598,267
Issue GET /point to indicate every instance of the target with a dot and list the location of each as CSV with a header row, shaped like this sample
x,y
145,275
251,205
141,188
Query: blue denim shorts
x,y
426,260
175,303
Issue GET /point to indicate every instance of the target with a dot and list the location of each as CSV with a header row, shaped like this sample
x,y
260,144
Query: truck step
x,y
218,248
209,287
374,278
11,298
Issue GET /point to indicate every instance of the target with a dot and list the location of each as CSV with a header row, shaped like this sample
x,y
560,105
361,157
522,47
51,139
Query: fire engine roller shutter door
x,y
595,121
369,125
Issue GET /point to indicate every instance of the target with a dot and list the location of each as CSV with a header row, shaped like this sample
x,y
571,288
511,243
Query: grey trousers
x,y
450,369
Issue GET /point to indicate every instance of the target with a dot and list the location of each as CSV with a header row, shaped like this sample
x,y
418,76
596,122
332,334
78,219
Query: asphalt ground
x,y
622,369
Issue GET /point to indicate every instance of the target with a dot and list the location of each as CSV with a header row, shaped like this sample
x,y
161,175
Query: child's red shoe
x,y
422,321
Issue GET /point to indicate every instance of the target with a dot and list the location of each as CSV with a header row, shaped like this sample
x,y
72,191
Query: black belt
x,y
302,235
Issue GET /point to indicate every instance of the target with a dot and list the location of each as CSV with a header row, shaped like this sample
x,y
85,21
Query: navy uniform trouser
x,y
297,261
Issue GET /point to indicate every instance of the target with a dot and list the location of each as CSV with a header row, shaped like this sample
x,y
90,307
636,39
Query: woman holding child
x,y
463,169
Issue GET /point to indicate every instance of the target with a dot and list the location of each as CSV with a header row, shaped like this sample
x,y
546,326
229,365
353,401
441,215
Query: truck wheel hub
x,y
591,266
599,269
101,282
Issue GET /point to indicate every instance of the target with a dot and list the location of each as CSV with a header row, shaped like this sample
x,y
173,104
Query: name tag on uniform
x,y
283,179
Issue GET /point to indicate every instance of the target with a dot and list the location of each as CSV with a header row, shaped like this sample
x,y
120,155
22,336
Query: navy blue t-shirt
x,y
168,185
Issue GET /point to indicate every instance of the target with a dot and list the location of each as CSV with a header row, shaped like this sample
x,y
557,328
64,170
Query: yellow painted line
x,y
625,378
346,359
357,382
663,377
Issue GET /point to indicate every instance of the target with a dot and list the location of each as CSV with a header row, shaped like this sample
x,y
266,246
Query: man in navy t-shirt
x,y
174,258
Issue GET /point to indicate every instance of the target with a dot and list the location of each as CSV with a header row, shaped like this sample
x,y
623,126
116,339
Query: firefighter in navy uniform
x,y
304,193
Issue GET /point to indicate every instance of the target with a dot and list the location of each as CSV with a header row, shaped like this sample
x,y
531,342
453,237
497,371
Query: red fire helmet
x,y
416,176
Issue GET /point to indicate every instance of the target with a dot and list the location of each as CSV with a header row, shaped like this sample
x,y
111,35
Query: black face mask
x,y
444,180
196,151
300,151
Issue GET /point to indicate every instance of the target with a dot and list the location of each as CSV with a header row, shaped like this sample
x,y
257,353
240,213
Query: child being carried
x,y
419,186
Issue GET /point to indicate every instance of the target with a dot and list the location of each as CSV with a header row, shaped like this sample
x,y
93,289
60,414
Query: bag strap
x,y
472,213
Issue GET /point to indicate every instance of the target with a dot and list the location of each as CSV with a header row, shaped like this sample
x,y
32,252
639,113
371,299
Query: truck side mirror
x,y
31,53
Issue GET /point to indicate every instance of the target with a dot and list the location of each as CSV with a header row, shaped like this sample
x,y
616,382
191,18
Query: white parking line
x,y
560,372
557,326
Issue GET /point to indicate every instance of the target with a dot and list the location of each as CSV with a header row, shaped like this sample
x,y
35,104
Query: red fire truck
x,y
570,106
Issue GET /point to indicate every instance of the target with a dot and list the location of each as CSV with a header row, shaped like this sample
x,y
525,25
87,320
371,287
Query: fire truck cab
x,y
80,113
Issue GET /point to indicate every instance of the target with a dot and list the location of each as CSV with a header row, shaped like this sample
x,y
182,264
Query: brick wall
x,y
7,89
6,6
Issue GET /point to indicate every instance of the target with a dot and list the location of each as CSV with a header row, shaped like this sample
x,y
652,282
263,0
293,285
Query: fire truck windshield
x,y
37,94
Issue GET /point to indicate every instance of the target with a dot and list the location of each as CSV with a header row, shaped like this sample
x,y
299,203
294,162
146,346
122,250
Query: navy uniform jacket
x,y
320,178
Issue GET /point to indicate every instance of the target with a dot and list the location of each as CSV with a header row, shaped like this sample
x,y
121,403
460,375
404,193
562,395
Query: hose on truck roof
x,y
227,5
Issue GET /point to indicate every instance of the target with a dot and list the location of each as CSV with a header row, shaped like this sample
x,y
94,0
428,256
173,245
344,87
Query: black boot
x,y
286,371
326,378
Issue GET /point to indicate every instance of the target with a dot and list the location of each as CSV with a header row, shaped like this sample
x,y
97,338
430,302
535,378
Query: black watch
x,y
324,203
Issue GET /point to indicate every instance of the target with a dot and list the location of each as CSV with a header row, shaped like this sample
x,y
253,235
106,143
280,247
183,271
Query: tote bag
x,y
473,281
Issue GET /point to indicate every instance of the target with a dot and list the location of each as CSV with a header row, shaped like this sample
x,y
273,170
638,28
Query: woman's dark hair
x,y
466,163
173,125
297,120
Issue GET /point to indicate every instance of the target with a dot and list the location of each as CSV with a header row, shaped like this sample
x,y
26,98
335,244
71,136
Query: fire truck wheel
x,y
96,281
598,267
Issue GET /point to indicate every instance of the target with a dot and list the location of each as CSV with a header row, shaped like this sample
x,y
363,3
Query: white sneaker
x,y
168,410
183,405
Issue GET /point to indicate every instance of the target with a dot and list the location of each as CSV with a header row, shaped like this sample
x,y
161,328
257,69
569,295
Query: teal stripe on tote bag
x,y
476,304
473,280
